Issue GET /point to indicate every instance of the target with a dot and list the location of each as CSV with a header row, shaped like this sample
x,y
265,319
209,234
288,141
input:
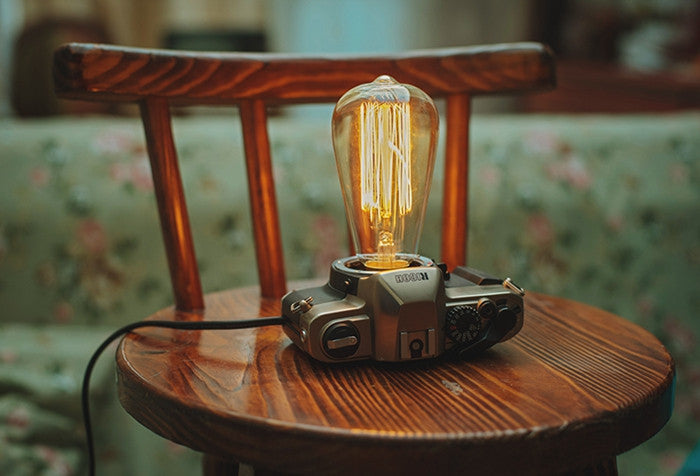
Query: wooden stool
x,y
573,389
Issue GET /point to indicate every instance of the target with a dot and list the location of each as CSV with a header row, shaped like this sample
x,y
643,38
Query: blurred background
x,y
601,207
644,54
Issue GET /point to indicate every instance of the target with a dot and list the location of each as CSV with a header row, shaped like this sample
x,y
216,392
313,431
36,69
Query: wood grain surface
x,y
575,387
104,72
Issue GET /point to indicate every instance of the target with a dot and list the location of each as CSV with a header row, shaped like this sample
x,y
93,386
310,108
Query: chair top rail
x,y
111,73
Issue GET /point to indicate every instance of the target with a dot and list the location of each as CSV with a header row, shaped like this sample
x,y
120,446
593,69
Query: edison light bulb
x,y
384,137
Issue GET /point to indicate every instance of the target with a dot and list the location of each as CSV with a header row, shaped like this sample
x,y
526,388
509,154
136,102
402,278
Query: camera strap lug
x,y
302,306
509,284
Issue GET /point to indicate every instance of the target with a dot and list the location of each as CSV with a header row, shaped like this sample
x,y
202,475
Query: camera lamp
x,y
387,302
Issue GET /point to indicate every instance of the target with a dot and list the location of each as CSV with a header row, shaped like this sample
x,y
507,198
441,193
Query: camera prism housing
x,y
416,312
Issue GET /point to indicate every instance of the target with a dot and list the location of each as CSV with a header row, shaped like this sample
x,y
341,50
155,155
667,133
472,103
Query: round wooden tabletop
x,y
575,387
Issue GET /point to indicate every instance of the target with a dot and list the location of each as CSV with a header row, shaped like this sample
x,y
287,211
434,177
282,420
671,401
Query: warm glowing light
x,y
384,135
385,174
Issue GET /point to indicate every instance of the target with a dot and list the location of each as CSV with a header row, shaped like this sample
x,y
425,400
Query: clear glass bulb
x,y
384,137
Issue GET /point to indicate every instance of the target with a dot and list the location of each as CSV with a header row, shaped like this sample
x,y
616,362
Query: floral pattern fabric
x,y
601,209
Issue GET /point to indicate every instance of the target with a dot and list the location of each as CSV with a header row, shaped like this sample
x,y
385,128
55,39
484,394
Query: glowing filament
x,y
384,137
385,170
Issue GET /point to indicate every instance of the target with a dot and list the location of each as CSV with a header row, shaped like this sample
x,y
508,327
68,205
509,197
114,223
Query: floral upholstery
x,y
601,209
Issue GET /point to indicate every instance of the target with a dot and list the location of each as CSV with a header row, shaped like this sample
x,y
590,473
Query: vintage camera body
x,y
417,312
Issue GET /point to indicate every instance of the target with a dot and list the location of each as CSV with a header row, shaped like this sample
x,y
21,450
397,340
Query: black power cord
x,y
179,325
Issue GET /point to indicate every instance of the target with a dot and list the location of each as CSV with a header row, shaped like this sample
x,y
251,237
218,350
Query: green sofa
x,y
601,209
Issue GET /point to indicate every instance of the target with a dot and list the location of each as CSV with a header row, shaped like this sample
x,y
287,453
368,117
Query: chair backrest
x,y
156,79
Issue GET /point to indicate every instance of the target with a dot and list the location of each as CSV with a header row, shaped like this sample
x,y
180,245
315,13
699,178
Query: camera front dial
x,y
340,340
462,325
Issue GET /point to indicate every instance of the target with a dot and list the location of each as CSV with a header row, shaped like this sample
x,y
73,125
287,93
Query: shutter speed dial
x,y
462,325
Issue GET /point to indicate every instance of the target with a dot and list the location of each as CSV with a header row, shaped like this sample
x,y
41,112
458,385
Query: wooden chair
x,y
575,388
